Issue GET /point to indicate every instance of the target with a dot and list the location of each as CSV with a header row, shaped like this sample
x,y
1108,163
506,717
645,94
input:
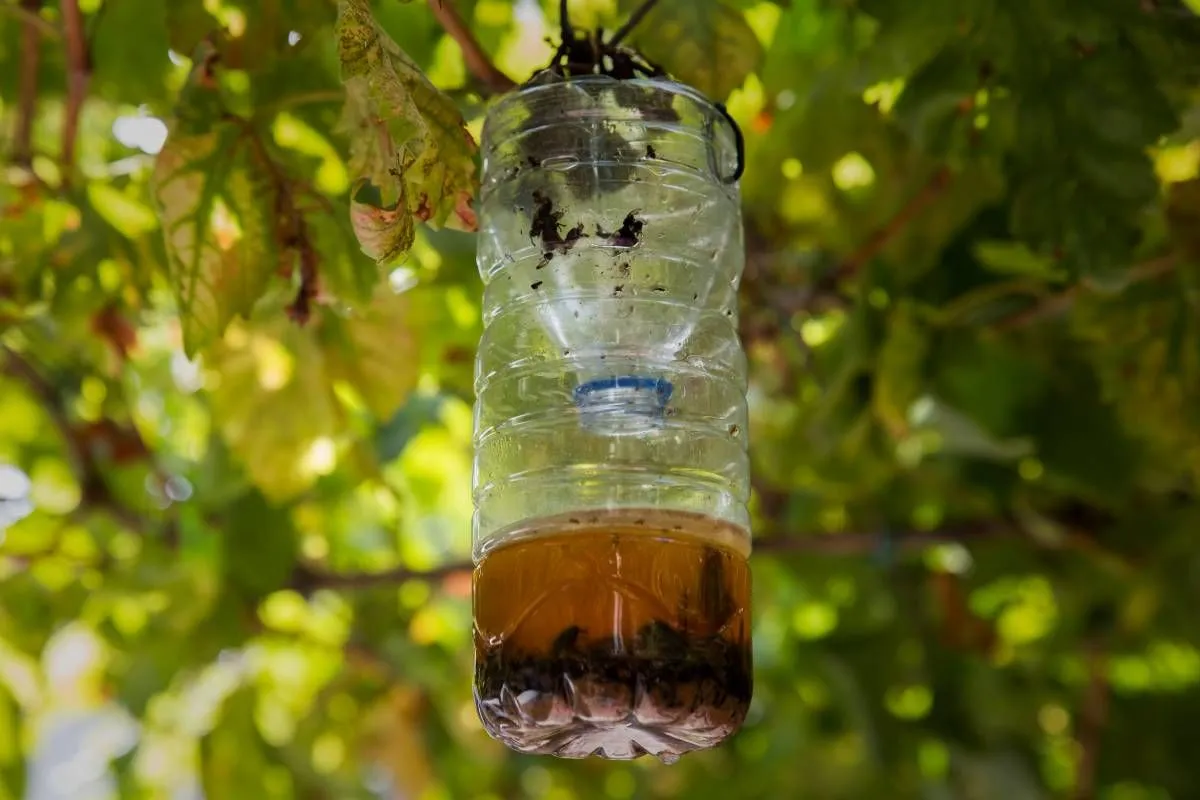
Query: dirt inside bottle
x,y
616,634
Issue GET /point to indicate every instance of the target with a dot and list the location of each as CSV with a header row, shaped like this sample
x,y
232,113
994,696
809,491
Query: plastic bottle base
x,y
544,724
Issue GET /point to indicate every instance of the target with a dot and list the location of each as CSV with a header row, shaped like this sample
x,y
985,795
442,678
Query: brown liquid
x,y
614,634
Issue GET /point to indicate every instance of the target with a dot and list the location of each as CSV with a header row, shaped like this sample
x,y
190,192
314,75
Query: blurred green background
x,y
970,305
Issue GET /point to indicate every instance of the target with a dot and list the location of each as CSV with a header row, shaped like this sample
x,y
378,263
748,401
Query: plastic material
x,y
611,473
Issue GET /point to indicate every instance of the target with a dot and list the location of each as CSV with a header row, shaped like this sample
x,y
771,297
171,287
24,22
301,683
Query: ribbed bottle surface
x,y
610,372
610,423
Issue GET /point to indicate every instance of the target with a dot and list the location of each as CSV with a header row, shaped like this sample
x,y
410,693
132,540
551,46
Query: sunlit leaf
x,y
407,139
121,211
375,350
898,371
704,43
218,230
276,410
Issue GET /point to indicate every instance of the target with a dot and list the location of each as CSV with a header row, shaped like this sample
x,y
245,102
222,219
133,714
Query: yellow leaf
x,y
408,140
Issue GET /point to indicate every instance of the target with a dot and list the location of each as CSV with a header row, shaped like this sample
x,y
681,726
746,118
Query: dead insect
x,y
566,641
630,232
546,220
547,227
660,640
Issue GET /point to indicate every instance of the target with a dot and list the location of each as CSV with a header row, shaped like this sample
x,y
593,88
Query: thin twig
x,y
291,229
94,492
476,59
1093,717
634,19
26,11
27,93
15,366
79,69
874,245
309,578
1061,303
865,543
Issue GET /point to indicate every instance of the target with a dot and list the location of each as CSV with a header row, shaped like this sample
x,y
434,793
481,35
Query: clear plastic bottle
x,y
611,588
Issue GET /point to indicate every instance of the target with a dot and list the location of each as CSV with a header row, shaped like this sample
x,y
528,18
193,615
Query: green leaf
x,y
12,756
960,435
375,350
218,231
936,107
275,409
236,763
261,545
909,37
345,272
898,369
394,435
407,139
129,51
1015,258
703,43
188,24
128,215
1183,216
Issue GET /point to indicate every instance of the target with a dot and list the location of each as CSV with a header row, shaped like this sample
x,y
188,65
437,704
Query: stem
x,y
634,20
1062,302
476,59
15,366
1093,719
94,491
78,73
27,93
308,578
26,11
291,231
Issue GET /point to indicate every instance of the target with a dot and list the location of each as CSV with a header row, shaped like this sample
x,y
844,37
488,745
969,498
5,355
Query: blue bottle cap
x,y
623,404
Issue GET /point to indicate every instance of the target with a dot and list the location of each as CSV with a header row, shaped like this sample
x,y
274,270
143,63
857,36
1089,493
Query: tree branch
x,y
93,490
27,92
1061,303
309,578
15,366
881,238
26,10
476,59
79,68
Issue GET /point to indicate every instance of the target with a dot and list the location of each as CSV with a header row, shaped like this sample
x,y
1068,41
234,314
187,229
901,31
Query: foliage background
x,y
238,571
